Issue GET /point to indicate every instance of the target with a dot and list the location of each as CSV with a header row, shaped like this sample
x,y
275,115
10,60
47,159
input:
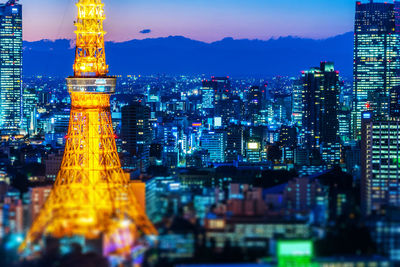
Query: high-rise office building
x,y
136,133
253,151
30,110
376,63
11,109
320,106
207,96
222,87
234,144
215,143
380,164
254,103
297,102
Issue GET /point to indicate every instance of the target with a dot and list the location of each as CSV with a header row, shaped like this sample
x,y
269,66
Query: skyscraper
x,y
136,132
215,143
30,109
11,113
207,95
297,102
254,103
376,63
234,143
320,106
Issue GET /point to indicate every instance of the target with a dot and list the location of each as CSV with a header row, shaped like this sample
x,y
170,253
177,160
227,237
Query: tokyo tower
x,y
92,196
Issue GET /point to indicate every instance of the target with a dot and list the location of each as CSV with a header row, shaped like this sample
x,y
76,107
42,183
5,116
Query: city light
x,y
256,152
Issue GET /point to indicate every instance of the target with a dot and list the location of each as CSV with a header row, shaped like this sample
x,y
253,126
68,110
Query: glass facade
x,y
376,51
10,66
297,109
320,101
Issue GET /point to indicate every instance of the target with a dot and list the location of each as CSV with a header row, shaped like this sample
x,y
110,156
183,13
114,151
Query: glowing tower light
x,y
91,196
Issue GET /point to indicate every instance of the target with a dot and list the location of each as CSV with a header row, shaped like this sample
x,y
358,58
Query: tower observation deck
x,y
92,196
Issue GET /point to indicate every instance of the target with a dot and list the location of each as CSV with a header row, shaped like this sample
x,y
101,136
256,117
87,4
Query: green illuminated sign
x,y
295,253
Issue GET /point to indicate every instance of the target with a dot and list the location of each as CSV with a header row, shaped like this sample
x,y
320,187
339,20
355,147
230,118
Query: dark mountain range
x,y
180,55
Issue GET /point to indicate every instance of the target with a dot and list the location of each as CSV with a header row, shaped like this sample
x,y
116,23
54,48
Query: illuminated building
x,y
253,151
288,136
254,103
226,105
203,201
59,123
376,52
215,143
297,102
234,143
303,196
222,88
253,232
214,93
30,110
331,154
288,142
136,133
380,164
320,106
176,246
92,197
207,95
11,114
344,118
156,154
385,233
395,102
157,190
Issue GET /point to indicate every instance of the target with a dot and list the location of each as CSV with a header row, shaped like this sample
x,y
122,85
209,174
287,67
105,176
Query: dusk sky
x,y
205,20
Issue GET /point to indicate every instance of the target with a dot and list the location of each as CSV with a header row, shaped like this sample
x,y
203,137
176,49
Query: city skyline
x,y
200,20
124,164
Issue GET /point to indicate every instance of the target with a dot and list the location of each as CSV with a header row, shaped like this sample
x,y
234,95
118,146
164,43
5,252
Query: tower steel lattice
x,y
92,196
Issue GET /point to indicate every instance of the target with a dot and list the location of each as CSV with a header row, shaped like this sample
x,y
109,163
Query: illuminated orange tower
x,y
92,196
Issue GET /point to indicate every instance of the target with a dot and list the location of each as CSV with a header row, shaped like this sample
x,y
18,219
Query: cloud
x,y
145,31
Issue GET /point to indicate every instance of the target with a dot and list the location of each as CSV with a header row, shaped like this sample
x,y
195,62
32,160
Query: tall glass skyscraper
x,y
376,63
320,97
10,66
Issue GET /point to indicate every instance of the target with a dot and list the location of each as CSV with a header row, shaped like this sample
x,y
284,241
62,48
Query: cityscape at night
x,y
207,133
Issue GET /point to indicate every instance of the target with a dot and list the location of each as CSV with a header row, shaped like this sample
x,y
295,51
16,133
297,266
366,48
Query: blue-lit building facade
x,y
11,105
376,62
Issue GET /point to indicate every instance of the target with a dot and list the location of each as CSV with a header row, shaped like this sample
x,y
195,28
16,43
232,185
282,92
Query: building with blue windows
x,y
11,105
376,60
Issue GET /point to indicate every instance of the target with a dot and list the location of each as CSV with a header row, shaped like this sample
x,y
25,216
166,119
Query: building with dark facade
x,y
136,133
320,106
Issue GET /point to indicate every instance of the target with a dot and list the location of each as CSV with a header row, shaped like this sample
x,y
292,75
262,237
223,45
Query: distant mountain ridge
x,y
180,55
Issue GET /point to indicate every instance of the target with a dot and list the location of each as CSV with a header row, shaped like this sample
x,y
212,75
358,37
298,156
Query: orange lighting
x,y
90,58
92,196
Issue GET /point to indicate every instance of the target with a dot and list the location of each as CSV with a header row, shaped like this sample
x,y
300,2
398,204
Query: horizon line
x,y
224,38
